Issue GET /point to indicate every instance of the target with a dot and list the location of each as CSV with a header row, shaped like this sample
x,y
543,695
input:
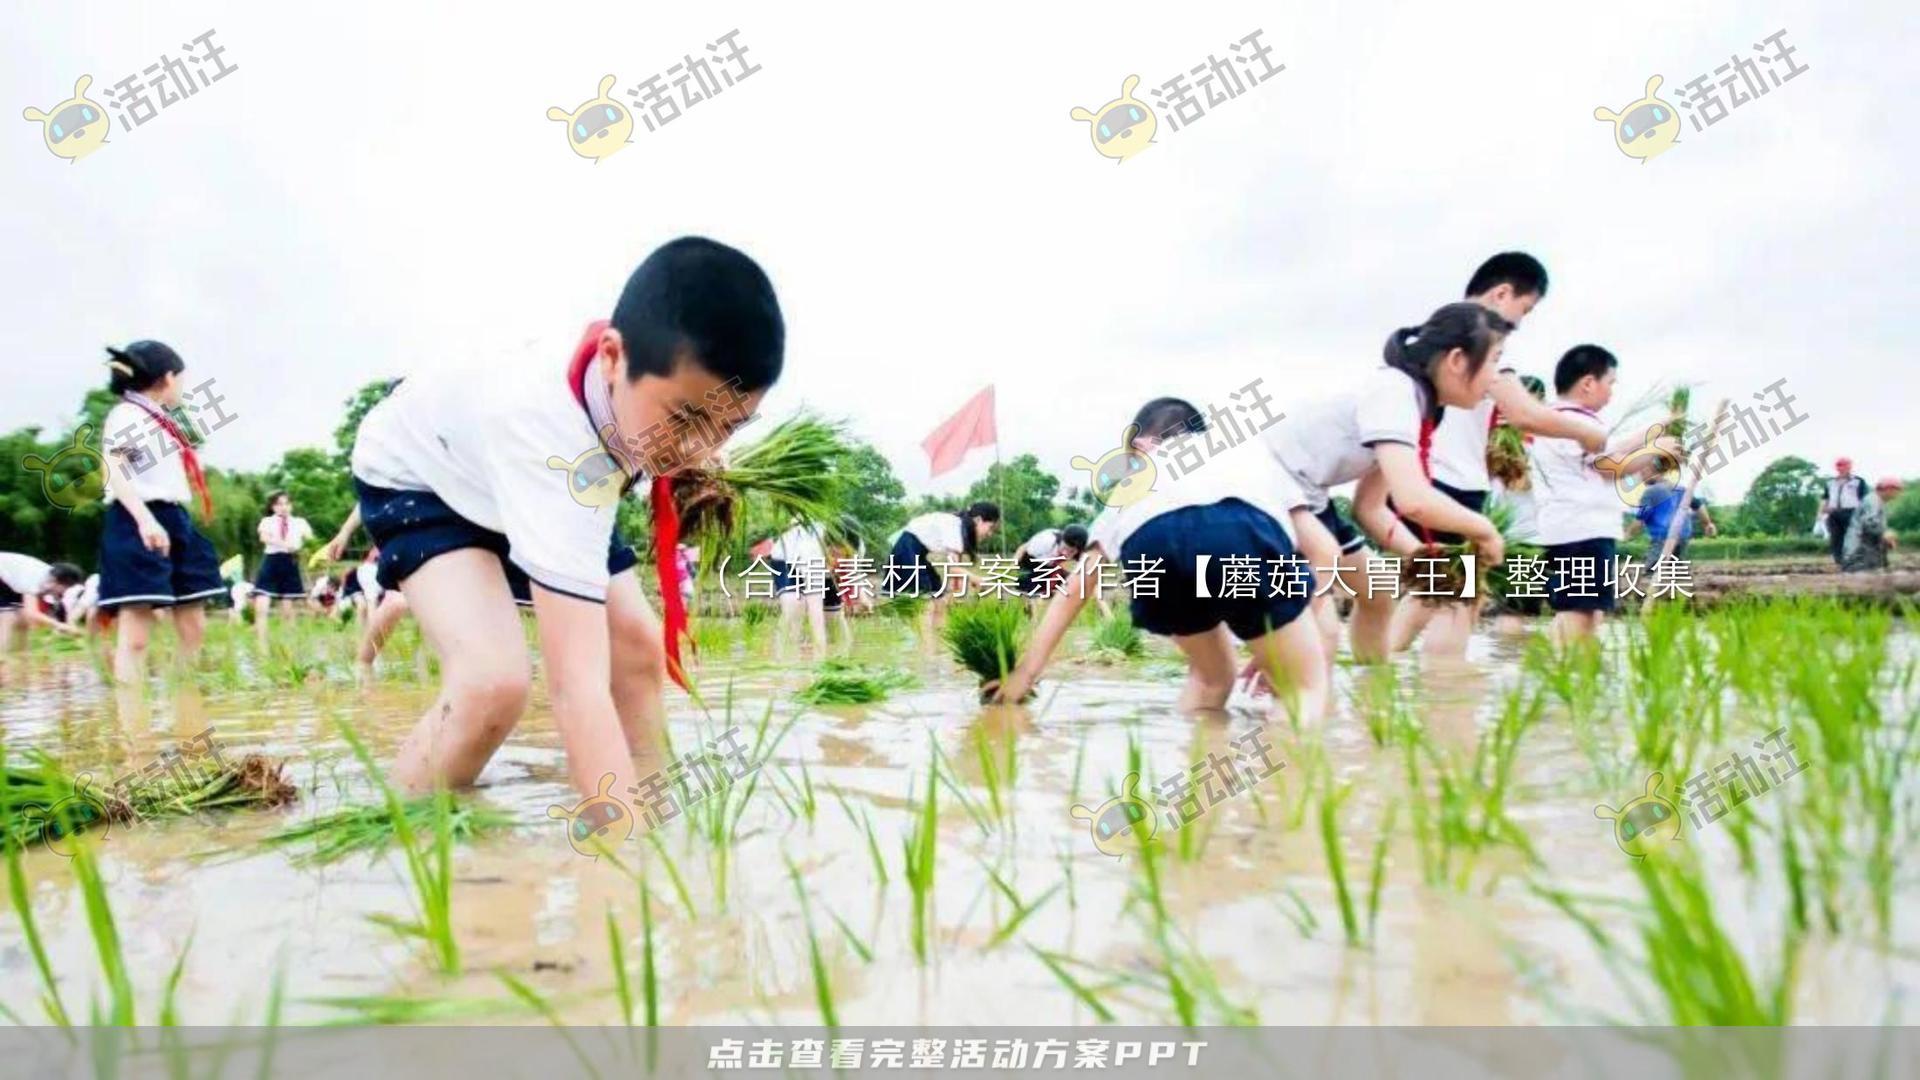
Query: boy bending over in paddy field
x,y
1510,284
1235,506
1379,434
1580,509
152,559
455,488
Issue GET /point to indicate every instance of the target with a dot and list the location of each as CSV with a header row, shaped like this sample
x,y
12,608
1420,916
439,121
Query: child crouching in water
x,y
1235,506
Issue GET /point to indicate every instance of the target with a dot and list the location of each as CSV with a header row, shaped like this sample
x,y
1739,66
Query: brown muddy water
x,y
1252,918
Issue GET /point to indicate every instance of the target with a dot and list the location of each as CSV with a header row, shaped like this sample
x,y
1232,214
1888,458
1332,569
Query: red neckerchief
x,y
666,518
188,459
1427,424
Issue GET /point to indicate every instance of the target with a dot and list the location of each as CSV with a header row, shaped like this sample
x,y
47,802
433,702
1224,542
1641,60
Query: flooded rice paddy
x,y
1430,854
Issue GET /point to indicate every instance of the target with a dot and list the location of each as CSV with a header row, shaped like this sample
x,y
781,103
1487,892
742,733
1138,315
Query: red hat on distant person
x,y
1843,463
1887,483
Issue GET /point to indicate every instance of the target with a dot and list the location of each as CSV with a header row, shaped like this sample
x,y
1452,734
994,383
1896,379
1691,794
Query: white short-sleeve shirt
x,y
297,534
1331,442
1459,455
142,452
1574,500
480,437
1250,476
23,574
800,546
1043,545
939,531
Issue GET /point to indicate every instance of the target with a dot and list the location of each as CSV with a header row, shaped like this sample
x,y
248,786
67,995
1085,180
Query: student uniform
x,y
458,458
279,575
1843,499
1236,505
1039,560
1579,517
78,598
1331,442
799,561
911,571
21,576
1458,460
154,468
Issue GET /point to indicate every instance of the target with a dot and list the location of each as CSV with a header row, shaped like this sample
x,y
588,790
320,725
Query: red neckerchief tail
x,y
196,478
1427,425
666,518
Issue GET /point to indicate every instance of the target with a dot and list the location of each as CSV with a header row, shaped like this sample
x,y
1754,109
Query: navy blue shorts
x,y
1231,528
9,600
279,577
131,574
411,527
909,570
1567,581
352,588
1343,531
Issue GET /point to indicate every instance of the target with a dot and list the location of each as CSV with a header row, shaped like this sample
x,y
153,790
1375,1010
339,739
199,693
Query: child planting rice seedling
x,y
544,701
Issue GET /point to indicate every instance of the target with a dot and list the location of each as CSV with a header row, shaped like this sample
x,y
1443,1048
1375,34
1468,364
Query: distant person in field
x,y
1660,515
1868,541
30,591
1845,492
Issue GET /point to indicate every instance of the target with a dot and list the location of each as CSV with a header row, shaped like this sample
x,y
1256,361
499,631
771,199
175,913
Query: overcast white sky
x,y
378,189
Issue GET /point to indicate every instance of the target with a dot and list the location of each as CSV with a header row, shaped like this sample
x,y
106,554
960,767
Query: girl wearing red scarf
x,y
151,556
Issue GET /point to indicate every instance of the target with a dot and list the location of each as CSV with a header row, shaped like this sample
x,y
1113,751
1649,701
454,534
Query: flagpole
x,y
1001,470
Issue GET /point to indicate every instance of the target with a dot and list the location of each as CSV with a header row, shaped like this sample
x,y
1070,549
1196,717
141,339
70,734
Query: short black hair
x,y
1075,537
1167,416
1516,268
65,573
1580,362
141,364
697,298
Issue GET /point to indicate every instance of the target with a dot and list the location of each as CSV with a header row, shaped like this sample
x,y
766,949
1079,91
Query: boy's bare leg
x,y
1210,669
1450,629
386,615
262,610
130,648
1291,657
1408,621
468,617
639,661
1320,549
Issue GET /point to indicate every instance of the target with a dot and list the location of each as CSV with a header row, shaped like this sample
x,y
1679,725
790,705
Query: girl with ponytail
x,y
151,556
1380,435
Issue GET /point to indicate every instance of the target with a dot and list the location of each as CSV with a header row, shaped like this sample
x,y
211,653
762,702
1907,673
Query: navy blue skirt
x,y
279,577
1191,600
411,527
910,570
132,574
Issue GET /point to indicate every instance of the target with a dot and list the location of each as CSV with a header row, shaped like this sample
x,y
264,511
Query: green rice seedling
x,y
864,822
712,637
905,609
754,615
859,947
1677,404
533,1000
329,838
1697,973
1299,914
680,890
1377,877
1116,640
822,986
1507,459
986,637
920,849
198,784
649,965
429,864
1022,909
364,1010
841,682
796,472
1330,803
1053,962
56,1009
617,957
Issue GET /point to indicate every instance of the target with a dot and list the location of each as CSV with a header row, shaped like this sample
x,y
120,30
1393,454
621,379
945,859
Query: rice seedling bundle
x,y
331,837
795,471
987,637
1507,459
1437,573
1677,411
843,683
45,802
1116,640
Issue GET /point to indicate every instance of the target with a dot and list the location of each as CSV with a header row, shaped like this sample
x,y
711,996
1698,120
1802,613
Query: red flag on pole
x,y
972,426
